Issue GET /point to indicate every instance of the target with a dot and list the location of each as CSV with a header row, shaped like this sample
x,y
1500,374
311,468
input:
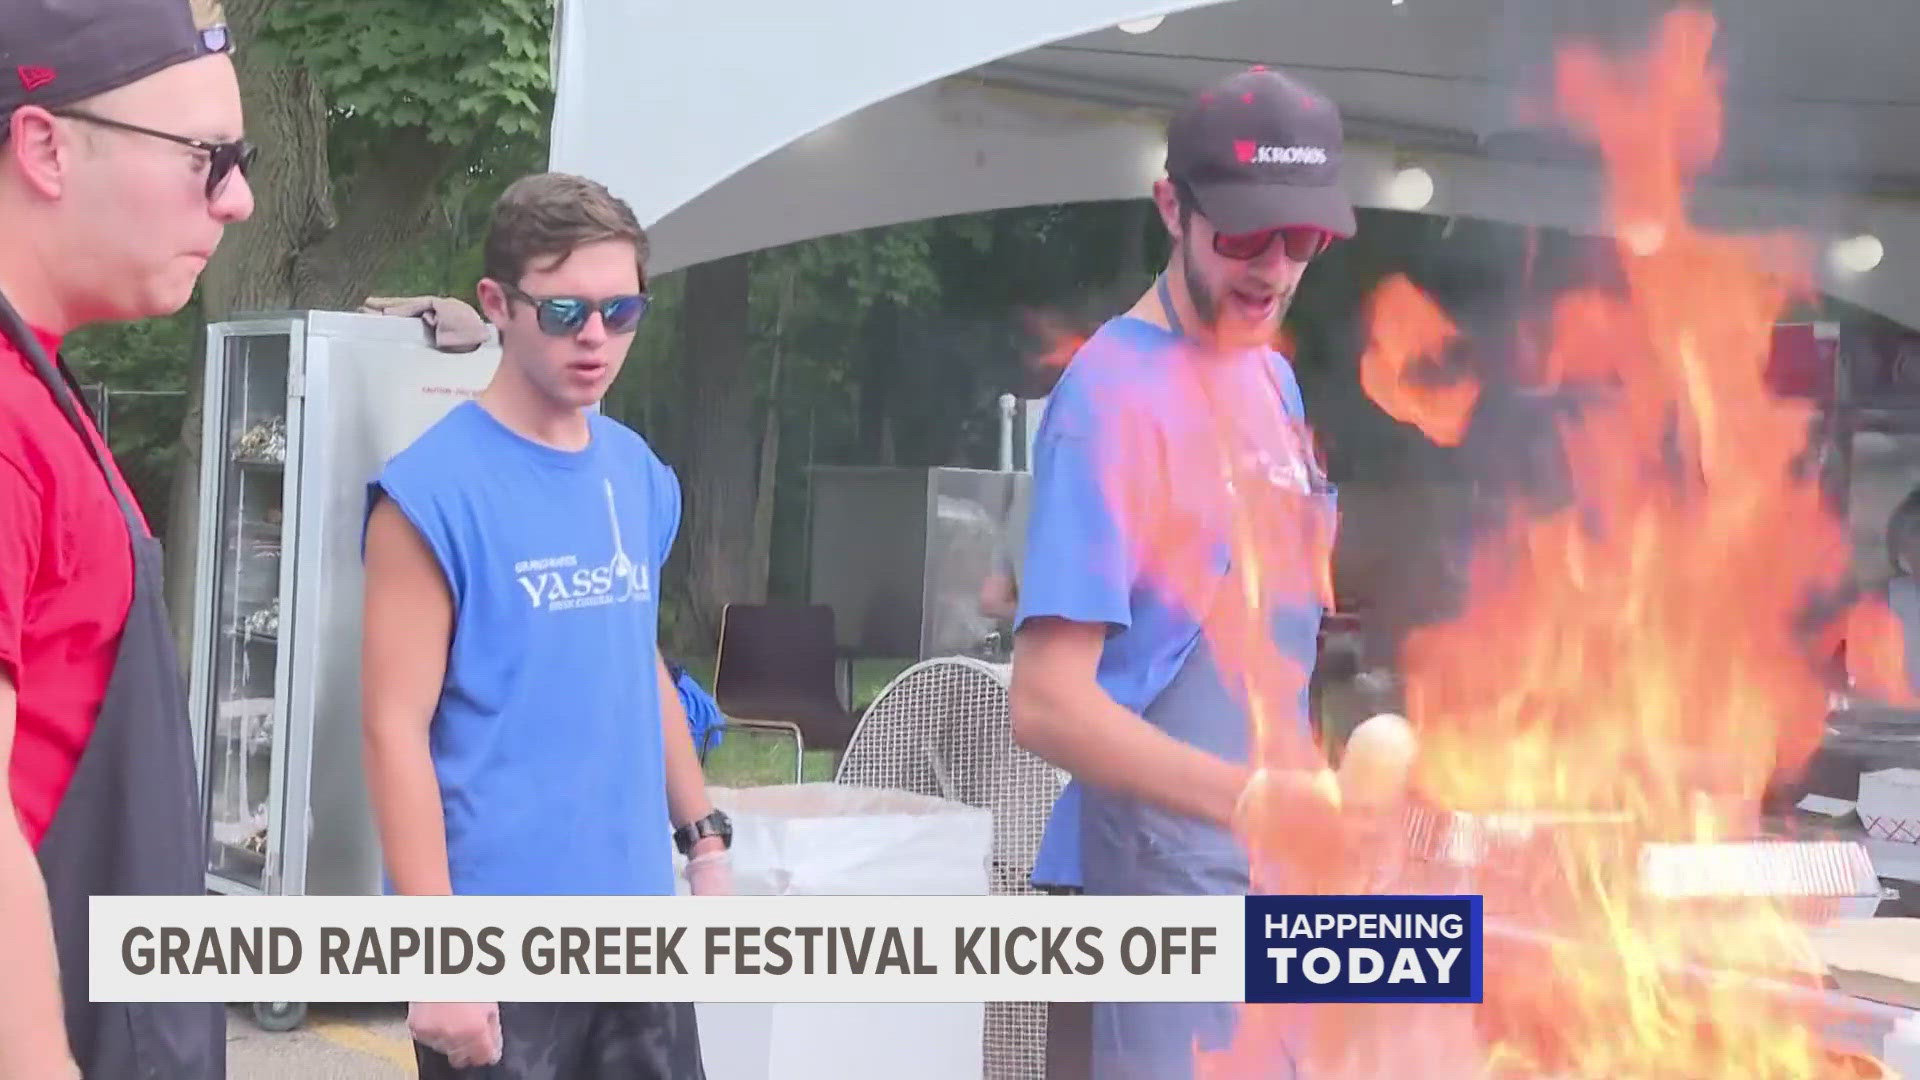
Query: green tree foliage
x,y
462,73
377,121
136,375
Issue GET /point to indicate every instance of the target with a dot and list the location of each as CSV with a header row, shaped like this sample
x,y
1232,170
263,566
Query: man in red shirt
x,y
120,165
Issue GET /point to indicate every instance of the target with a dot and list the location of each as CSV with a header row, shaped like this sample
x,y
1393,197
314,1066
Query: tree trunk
x,y
297,251
720,466
287,119
760,561
879,373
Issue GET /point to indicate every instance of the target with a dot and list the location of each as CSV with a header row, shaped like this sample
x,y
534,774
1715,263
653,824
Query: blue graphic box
x,y
1365,949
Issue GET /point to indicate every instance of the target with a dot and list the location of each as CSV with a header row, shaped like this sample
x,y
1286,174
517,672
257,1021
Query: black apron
x,y
130,822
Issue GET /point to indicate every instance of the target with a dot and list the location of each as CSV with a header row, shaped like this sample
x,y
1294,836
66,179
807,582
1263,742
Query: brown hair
x,y
548,215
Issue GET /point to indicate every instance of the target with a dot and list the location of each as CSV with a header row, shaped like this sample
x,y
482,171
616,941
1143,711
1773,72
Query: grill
x,y
1509,858
1849,1026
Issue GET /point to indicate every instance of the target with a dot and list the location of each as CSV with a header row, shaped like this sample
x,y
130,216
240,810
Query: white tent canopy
x,y
742,126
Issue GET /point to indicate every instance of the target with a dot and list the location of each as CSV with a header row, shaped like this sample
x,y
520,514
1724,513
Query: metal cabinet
x,y
302,410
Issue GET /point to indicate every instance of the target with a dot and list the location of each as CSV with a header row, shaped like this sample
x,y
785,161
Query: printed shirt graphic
x,y
563,583
1124,410
547,739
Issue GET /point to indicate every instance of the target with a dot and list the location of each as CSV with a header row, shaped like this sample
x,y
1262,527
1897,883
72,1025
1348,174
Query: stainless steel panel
x,y
976,533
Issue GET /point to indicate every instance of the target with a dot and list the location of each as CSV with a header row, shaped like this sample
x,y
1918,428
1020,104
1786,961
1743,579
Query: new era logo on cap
x,y
64,51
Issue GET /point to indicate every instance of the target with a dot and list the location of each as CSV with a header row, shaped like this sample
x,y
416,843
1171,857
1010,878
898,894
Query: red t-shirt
x,y
66,579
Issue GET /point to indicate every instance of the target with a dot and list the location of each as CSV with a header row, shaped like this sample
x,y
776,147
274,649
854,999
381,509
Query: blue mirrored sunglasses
x,y
564,316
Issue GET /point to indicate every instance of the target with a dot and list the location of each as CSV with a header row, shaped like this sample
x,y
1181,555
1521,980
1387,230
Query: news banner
x,y
788,948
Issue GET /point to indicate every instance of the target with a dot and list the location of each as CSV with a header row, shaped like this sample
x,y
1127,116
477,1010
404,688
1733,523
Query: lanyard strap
x,y
1178,328
66,394
1166,305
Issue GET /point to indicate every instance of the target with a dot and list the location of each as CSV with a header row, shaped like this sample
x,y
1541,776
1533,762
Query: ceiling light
x,y
1153,158
1143,26
1410,188
1856,254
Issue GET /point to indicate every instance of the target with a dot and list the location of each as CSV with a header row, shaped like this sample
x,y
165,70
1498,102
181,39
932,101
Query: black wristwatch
x,y
714,824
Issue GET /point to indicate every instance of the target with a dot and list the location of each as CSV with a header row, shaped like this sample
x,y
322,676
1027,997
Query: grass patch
x,y
757,758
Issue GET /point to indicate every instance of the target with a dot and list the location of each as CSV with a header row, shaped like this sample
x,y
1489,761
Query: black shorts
x,y
594,1041
1069,1023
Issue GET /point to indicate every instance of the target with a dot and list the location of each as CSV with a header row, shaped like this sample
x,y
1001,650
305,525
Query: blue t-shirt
x,y
547,740
1125,456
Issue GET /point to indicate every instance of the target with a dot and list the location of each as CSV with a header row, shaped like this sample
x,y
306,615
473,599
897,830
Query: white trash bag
x,y
843,840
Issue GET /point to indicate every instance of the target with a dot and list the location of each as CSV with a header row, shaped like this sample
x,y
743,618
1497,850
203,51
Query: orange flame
x,y
1628,664
1406,328
1059,338
1876,652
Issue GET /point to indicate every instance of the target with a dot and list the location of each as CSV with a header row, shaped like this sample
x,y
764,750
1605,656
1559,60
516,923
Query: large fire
x,y
1627,671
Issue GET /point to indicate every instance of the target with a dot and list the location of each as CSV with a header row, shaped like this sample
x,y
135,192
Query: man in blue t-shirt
x,y
522,734
1174,452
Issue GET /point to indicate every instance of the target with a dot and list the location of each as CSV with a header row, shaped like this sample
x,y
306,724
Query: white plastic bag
x,y
843,840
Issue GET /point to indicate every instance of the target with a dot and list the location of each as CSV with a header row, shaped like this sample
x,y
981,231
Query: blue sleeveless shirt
x,y
547,739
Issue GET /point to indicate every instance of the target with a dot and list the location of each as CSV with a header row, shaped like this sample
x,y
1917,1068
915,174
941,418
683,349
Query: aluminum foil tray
x,y
1468,846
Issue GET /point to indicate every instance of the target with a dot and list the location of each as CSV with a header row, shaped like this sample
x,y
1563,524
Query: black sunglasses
x,y
222,158
564,316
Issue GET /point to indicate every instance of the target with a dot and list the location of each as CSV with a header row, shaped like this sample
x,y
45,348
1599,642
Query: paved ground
x,y
336,1042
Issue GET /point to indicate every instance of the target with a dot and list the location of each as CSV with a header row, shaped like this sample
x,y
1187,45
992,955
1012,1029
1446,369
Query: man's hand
x,y
1332,833
710,873
467,1032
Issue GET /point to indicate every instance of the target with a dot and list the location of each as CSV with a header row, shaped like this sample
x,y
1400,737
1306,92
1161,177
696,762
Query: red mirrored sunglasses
x,y
1303,243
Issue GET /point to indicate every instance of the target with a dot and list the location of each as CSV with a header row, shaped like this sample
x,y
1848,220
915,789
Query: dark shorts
x,y
606,1041
1069,1024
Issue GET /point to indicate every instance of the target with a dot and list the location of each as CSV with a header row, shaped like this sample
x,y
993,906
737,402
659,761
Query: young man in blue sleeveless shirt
x,y
1167,422
522,733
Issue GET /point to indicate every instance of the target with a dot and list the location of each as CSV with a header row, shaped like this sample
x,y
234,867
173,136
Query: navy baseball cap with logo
x,y
1262,150
56,52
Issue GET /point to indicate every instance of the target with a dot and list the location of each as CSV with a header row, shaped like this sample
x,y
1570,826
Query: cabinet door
x,y
247,497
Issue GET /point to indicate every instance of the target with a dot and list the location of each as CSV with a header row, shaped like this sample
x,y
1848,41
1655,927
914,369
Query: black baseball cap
x,y
1260,150
57,52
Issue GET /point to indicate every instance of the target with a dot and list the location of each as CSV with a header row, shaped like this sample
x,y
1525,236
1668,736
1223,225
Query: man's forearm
x,y
405,792
1099,741
33,1026
33,1029
687,798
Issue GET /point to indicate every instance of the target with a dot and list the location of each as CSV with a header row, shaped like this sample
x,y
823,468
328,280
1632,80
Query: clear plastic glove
x,y
467,1032
710,873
